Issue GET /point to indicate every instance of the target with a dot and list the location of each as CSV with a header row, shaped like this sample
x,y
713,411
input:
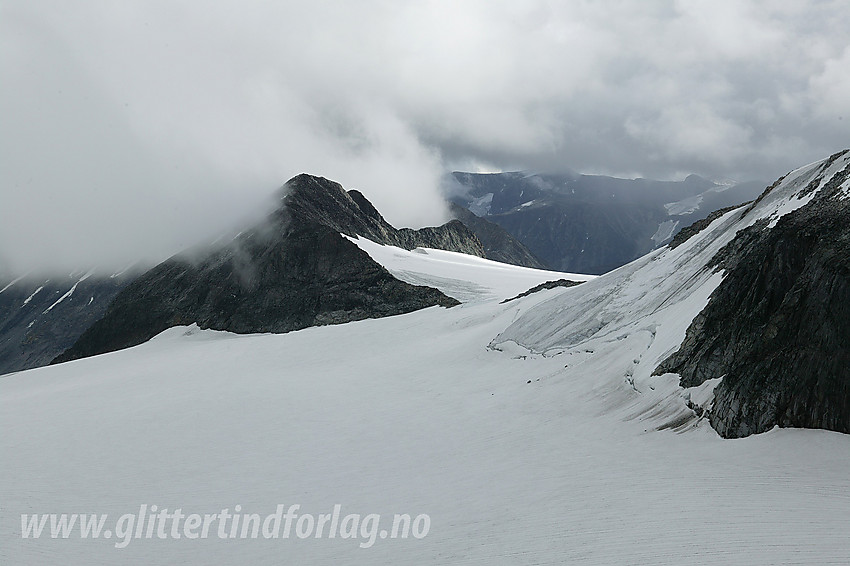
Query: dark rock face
x,y
326,202
543,286
293,272
778,326
686,234
35,326
593,224
583,238
498,244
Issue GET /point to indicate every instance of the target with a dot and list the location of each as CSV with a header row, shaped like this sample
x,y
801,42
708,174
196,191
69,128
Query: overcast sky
x,y
134,128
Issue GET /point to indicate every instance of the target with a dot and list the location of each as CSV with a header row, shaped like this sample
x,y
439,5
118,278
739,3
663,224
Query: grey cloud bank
x,y
132,129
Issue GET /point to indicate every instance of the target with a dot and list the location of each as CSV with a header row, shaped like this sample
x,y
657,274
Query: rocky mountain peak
x,y
364,205
310,199
302,272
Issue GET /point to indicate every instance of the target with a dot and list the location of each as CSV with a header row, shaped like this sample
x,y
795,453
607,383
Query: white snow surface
x,y
665,231
786,197
481,206
34,293
12,282
122,271
431,412
461,276
69,292
685,206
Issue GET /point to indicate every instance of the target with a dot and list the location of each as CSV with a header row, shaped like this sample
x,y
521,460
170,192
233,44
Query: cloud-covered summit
x,y
135,127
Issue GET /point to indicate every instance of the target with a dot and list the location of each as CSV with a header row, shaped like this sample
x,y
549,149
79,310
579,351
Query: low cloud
x,y
133,129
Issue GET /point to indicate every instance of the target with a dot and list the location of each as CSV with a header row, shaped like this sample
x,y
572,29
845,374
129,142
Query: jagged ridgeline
x,y
293,271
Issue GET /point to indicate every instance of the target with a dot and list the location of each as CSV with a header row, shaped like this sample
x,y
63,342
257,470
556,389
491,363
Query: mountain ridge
x,y
32,338
592,223
294,271
786,360
747,316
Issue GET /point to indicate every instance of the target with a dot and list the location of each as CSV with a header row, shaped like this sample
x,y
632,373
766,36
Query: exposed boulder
x,y
544,286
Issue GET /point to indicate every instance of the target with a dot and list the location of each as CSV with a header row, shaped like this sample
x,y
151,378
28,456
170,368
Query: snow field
x,y
530,432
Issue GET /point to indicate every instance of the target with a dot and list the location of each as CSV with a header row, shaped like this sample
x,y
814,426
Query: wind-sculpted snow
x,y
638,294
614,330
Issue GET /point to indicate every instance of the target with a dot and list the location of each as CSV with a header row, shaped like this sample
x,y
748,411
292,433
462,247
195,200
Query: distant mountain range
x,y
498,244
591,223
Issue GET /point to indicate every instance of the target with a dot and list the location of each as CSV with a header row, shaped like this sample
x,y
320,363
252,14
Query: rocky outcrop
x,y
498,244
292,272
777,329
544,286
687,233
310,198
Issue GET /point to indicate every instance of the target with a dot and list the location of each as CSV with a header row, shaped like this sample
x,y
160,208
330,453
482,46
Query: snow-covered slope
x,y
624,324
528,432
408,414
461,276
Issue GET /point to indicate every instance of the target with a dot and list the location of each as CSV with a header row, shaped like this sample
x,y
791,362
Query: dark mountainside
x,y
778,326
315,199
293,272
35,326
498,244
593,224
